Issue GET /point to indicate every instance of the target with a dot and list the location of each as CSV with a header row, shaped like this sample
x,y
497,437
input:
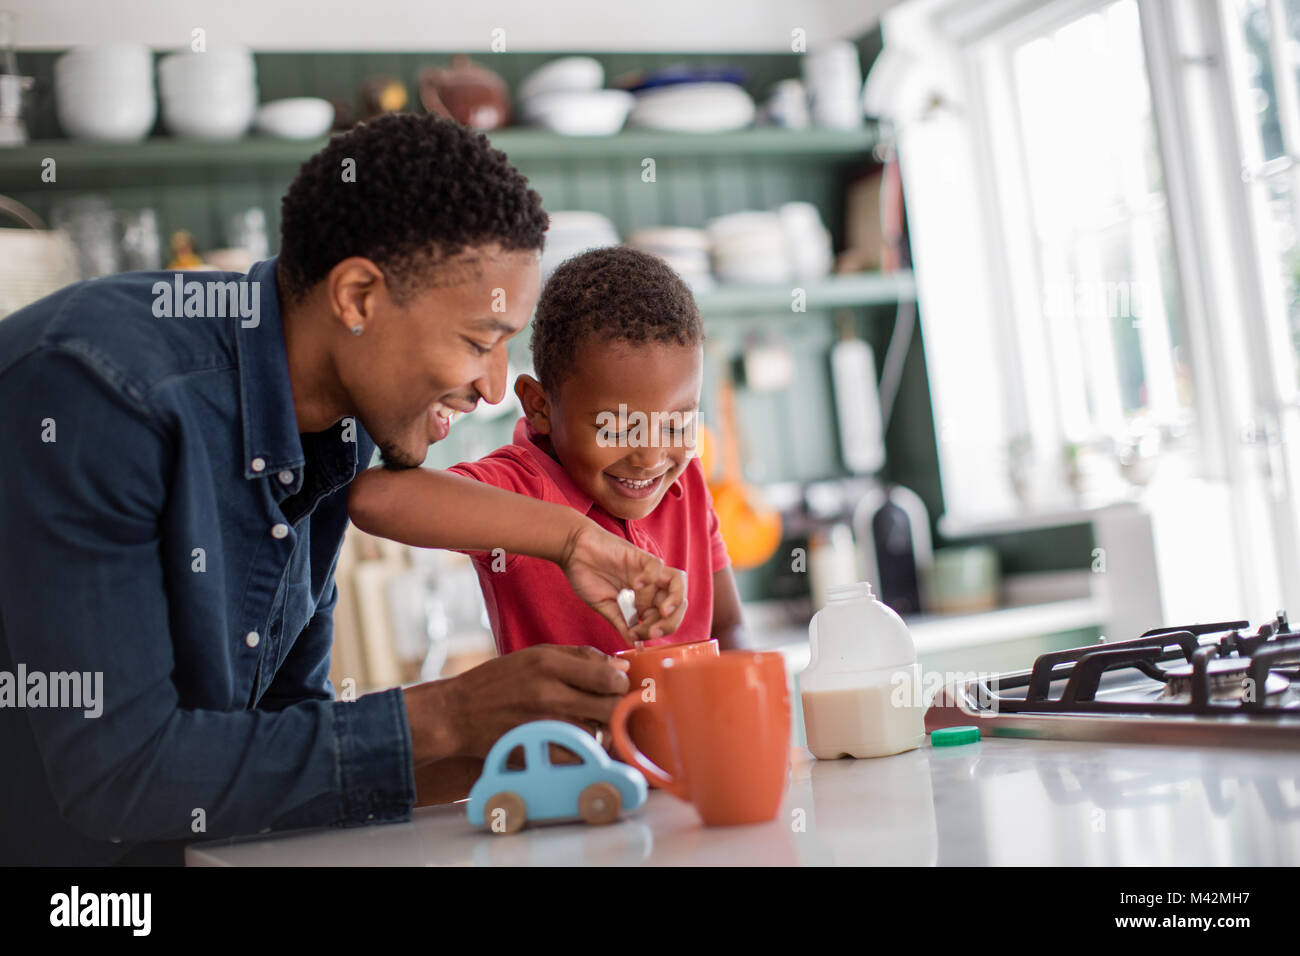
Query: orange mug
x,y
728,718
645,678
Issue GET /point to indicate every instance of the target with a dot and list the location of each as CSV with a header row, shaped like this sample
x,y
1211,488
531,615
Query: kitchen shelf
x,y
519,144
638,143
832,292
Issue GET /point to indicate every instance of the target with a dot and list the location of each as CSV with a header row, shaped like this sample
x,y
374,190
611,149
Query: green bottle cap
x,y
954,736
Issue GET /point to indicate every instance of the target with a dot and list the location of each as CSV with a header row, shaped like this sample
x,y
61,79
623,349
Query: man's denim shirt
x,y
165,530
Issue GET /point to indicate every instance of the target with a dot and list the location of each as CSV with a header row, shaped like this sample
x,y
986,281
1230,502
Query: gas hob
x,y
1211,684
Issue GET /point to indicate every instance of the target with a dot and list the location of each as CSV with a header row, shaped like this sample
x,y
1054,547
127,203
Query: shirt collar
x,y
266,398
524,436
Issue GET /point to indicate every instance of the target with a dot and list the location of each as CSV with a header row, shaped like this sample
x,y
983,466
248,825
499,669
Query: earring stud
x,y
356,330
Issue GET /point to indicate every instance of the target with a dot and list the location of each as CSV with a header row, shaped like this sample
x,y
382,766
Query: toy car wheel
x,y
504,812
600,803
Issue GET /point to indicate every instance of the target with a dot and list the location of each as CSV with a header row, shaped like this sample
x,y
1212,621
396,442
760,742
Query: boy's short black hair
x,y
418,190
609,295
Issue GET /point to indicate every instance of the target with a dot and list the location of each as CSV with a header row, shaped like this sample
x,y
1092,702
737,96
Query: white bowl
x,y
105,114
760,271
693,108
743,224
200,101
106,92
580,113
228,88
221,119
94,74
742,251
214,83
573,231
203,78
568,73
300,117
180,72
218,60
670,237
108,57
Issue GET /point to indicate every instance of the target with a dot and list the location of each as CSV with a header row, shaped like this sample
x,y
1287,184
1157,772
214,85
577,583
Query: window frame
x,y
1216,258
1035,402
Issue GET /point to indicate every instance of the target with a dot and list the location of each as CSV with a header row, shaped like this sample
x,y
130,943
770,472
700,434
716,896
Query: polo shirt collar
x,y
523,437
266,398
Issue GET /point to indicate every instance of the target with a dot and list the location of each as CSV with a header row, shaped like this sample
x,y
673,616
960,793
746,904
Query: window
x,y
1263,39
1105,387
1100,228
1105,219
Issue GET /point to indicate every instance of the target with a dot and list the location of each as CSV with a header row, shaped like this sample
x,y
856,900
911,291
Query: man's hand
x,y
464,716
599,565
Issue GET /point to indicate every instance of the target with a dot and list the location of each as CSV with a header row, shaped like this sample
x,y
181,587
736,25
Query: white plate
x,y
693,107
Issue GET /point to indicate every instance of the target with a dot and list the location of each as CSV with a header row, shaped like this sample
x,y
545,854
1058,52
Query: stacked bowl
x,y
566,96
693,108
573,232
686,250
105,92
210,95
750,247
807,240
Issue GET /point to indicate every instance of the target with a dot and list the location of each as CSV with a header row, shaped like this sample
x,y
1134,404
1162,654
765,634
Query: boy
x,y
609,430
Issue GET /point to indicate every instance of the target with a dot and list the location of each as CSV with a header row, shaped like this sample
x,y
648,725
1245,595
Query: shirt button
x,y
258,464
286,477
279,531
252,638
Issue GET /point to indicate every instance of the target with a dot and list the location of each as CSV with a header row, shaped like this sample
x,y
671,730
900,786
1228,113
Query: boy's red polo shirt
x,y
530,600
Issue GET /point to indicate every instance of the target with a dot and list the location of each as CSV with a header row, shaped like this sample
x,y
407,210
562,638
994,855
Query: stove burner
x,y
1196,670
1229,679
1173,685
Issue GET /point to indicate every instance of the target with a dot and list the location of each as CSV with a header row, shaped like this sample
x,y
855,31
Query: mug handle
x,y
629,752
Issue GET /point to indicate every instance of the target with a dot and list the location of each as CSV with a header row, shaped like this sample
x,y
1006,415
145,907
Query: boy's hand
x,y
599,565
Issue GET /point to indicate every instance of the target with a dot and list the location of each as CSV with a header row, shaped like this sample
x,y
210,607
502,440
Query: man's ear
x,y
537,407
353,288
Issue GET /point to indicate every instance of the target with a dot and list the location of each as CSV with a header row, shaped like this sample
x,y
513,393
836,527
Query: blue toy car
x,y
595,789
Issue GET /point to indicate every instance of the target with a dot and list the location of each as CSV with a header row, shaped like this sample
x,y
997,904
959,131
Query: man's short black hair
x,y
418,190
609,295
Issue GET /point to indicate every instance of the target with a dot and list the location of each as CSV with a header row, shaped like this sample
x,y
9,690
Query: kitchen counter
x,y
997,802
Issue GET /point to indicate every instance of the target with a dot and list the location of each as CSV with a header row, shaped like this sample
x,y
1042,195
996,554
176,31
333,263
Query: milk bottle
x,y
861,691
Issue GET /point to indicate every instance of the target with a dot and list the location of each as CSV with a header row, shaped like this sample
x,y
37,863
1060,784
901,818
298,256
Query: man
x,y
178,450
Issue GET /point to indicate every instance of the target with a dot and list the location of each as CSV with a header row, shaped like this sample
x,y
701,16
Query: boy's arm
x,y
728,625
434,509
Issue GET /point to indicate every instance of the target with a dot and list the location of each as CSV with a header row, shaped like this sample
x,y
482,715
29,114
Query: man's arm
x,y
84,587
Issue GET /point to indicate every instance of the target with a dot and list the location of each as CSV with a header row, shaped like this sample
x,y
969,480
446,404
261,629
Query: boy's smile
x,y
623,423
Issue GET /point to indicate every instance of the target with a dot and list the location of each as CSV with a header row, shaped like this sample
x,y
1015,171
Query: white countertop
x,y
998,802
